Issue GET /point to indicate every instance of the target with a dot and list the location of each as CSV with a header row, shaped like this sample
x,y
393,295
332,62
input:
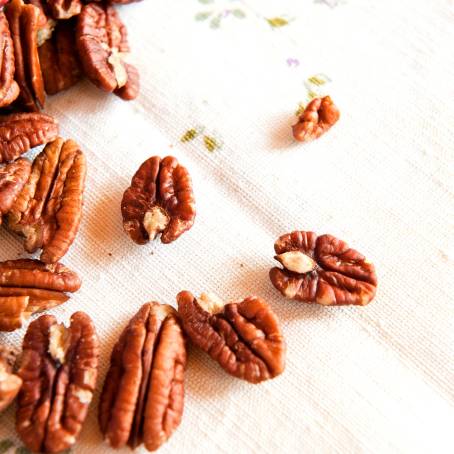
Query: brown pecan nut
x,y
9,90
102,42
30,286
243,337
46,24
123,2
10,383
59,370
143,394
24,26
49,209
322,269
159,200
22,131
59,60
64,9
319,115
130,90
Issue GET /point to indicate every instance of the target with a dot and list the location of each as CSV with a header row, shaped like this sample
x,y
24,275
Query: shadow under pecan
x,y
143,394
30,286
22,131
59,61
24,27
102,43
319,115
49,209
59,370
10,383
323,270
159,200
244,337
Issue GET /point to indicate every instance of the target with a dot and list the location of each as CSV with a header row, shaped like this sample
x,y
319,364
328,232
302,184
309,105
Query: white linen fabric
x,y
227,77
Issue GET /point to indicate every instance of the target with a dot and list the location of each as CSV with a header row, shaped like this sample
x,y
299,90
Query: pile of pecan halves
x,y
46,47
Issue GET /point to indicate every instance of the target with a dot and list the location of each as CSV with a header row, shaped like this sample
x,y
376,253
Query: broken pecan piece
x,y
319,115
243,337
59,371
159,200
49,209
143,394
322,269
9,382
9,90
64,9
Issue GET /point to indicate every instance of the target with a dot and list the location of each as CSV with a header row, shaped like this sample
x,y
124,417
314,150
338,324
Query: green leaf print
x,y
239,13
203,15
5,445
216,21
206,2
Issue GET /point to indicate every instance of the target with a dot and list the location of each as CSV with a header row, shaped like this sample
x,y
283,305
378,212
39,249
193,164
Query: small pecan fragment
x,y
319,115
159,200
143,394
322,269
9,382
59,60
59,371
24,26
49,209
64,9
9,90
243,337
102,42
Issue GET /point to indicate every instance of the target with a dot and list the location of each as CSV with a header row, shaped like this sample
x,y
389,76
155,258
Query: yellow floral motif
x,y
211,143
277,22
189,135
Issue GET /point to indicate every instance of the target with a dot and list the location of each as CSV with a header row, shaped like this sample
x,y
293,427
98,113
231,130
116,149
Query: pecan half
x,y
30,286
64,9
22,131
59,60
46,24
9,382
142,398
102,42
244,337
159,200
319,115
322,269
49,209
9,90
24,26
59,371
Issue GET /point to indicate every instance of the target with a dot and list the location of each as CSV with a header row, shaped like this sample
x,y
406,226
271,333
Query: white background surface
x,y
377,379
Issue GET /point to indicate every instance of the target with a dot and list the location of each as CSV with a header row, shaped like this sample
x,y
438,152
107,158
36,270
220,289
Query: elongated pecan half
x,y
59,61
319,115
46,24
159,200
243,337
64,9
9,90
102,42
59,371
143,394
323,270
10,383
22,131
24,27
49,209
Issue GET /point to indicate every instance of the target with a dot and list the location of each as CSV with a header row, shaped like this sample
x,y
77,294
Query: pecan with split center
x,y
322,269
159,200
49,209
319,115
142,398
30,286
243,337
10,383
102,42
59,370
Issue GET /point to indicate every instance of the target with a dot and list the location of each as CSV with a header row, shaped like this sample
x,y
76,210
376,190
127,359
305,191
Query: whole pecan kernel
x,y
319,115
49,209
59,371
159,200
322,269
244,338
143,394
9,90
9,382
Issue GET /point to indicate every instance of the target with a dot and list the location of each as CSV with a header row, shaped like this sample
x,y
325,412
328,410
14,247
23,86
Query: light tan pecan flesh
x,y
10,383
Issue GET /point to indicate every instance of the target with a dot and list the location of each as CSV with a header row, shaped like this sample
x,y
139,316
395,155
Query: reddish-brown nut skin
x,y
341,275
244,338
143,395
319,115
9,90
13,177
123,2
163,184
130,91
22,131
9,382
12,312
56,392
